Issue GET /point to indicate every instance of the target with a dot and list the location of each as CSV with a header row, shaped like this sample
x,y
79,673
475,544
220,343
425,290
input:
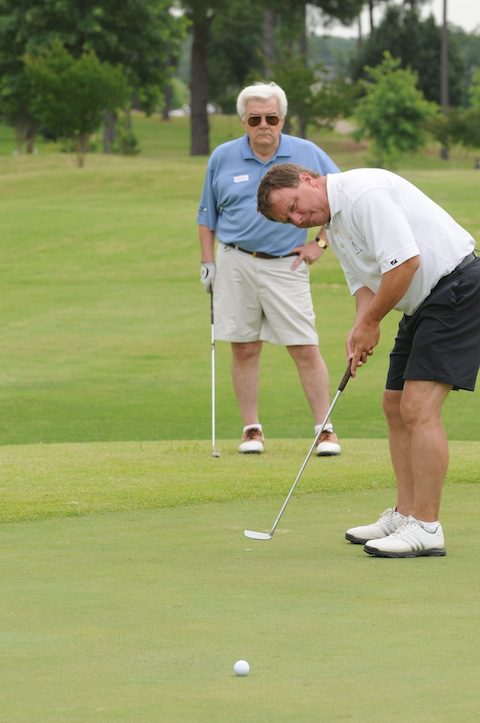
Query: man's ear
x,y
305,177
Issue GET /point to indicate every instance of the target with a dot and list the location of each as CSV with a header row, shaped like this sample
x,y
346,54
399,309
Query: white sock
x,y
252,426
429,526
327,428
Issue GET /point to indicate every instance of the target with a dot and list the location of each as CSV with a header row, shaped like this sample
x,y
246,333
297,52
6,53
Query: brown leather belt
x,y
260,254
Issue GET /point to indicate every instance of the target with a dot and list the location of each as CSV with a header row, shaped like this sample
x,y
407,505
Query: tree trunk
x,y
168,89
268,42
444,90
109,130
303,50
370,12
199,129
82,148
360,34
25,134
167,101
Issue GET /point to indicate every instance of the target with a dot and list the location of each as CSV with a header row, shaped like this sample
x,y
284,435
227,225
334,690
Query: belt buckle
x,y
254,253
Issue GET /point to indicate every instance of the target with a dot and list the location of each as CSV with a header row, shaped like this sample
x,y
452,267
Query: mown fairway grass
x,y
105,328
128,590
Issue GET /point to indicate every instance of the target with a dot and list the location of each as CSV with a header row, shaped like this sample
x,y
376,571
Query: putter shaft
x,y
268,535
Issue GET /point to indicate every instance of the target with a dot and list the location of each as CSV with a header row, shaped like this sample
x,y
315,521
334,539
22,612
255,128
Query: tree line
x,y
68,67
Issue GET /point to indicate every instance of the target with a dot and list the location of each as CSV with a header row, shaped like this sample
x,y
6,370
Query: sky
x,y
465,13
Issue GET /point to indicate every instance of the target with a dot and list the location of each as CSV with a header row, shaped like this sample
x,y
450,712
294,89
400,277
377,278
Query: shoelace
x,y
252,434
408,522
326,434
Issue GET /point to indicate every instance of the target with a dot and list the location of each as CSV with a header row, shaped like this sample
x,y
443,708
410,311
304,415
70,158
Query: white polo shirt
x,y
378,220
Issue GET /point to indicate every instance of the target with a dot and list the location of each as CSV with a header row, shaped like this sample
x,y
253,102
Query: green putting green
x,y
140,616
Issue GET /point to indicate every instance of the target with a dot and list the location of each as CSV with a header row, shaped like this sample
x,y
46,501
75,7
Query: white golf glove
x,y
207,275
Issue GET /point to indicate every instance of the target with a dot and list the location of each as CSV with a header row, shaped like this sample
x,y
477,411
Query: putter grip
x,y
345,379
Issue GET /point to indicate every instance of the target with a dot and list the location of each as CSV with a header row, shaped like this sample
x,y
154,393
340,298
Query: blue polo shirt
x,y
229,199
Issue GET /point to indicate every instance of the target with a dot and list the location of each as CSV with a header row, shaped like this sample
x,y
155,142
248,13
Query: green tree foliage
x,y
343,10
468,45
393,112
459,126
138,35
234,51
417,44
313,94
474,90
456,126
204,13
70,95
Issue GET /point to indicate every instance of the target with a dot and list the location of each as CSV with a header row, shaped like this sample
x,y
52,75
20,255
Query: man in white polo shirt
x,y
398,250
258,296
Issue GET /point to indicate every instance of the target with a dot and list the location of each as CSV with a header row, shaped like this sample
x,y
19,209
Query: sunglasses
x,y
255,120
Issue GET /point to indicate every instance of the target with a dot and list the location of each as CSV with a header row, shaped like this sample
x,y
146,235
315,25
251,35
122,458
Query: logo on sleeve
x,y
393,262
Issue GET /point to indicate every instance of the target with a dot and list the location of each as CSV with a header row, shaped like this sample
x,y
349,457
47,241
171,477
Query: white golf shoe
x,y
388,522
411,539
252,440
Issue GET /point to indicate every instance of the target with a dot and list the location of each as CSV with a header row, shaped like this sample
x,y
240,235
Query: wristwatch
x,y
321,243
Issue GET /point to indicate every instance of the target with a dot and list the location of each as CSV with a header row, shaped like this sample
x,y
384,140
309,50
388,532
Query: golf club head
x,y
216,455
257,535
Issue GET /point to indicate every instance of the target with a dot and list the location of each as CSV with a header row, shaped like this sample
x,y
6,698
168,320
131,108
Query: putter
x,y
268,535
214,451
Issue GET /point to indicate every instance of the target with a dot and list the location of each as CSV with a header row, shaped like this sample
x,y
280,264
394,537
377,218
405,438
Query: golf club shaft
x,y
212,327
340,389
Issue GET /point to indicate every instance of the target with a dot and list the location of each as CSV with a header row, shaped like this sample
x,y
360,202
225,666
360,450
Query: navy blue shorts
x,y
440,342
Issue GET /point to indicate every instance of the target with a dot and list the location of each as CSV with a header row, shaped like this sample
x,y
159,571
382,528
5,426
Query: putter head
x,y
216,455
257,535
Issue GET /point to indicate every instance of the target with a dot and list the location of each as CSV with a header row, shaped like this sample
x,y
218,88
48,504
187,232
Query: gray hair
x,y
262,91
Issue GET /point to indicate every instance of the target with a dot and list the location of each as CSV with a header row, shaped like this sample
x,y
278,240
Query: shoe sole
x,y
435,552
253,451
356,540
327,454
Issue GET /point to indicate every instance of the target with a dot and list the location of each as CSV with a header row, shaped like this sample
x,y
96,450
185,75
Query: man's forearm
x,y
371,308
207,244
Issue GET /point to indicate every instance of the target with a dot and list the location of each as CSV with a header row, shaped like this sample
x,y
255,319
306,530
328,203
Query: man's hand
x,y
309,253
208,271
361,342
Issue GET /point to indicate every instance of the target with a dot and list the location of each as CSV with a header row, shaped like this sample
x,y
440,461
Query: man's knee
x,y
421,402
246,351
304,352
392,401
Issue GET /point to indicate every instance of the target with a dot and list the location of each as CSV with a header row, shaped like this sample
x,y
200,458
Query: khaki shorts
x,y
262,299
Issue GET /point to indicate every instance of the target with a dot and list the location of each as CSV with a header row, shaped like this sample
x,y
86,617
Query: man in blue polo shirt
x,y
260,273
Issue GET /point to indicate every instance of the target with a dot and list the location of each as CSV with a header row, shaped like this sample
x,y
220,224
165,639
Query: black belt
x,y
466,261
260,254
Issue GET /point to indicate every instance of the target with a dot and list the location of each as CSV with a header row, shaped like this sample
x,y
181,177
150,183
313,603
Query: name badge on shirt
x,y
240,179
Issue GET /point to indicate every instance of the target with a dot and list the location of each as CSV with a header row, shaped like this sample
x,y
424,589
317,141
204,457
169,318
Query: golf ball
x,y
241,667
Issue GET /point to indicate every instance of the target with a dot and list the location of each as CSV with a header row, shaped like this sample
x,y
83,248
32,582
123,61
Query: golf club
x,y
268,535
214,451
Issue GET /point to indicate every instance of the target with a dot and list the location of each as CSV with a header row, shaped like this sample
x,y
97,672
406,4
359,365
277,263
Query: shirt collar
x,y
332,194
284,149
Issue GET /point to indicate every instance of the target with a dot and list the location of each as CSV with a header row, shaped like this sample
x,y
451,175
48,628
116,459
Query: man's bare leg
x,y
418,446
314,377
245,377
